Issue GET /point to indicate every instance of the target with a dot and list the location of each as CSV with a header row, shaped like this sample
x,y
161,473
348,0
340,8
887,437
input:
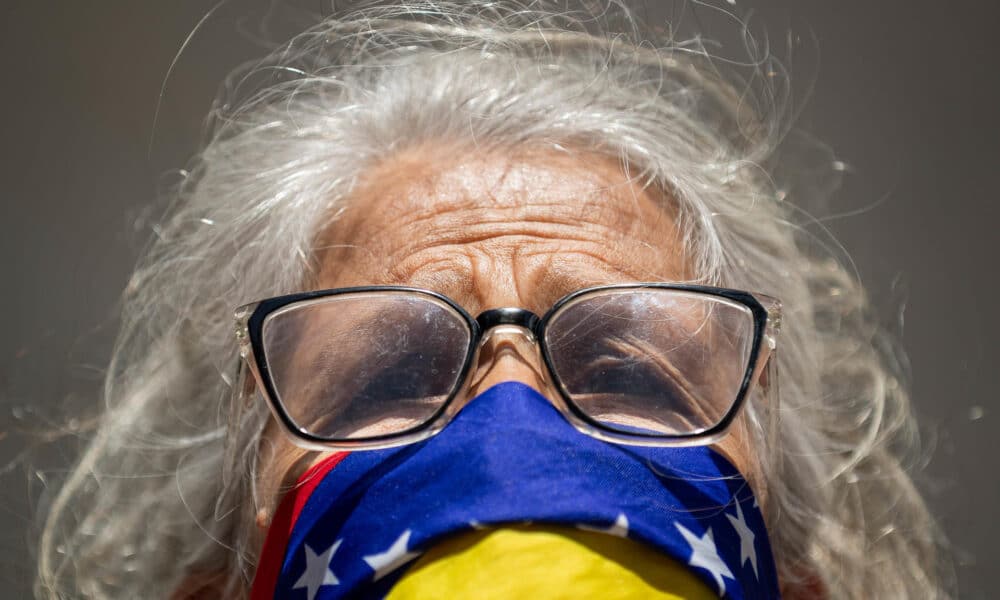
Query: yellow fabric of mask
x,y
549,563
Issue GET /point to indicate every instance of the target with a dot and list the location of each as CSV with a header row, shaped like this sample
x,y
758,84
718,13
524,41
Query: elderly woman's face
x,y
494,230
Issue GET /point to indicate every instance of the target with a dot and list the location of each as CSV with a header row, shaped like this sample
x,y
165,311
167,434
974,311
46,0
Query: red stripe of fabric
x,y
272,555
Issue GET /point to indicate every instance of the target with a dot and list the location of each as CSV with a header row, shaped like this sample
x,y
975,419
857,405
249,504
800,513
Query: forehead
x,y
499,228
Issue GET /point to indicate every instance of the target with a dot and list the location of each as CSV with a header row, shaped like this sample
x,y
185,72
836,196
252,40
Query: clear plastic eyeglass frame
x,y
250,318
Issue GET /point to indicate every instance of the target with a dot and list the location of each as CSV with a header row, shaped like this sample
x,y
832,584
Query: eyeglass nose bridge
x,y
518,317
508,321
504,323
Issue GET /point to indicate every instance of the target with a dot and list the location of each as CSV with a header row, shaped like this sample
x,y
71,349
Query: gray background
x,y
906,93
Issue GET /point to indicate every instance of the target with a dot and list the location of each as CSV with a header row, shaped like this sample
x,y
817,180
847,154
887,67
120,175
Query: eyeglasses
x,y
650,364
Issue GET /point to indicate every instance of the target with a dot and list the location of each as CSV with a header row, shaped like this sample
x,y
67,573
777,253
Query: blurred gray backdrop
x,y
906,94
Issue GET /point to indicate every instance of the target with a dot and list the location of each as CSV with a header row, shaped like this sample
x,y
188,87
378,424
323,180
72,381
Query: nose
x,y
508,353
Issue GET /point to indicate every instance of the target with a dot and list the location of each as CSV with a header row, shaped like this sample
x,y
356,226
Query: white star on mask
x,y
393,558
747,551
619,528
705,555
317,573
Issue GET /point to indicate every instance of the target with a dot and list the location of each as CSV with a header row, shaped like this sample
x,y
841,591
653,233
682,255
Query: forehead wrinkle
x,y
433,222
499,239
561,277
448,273
540,275
391,250
420,186
426,205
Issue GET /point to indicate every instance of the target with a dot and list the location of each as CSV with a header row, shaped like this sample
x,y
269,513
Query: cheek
x,y
281,465
738,448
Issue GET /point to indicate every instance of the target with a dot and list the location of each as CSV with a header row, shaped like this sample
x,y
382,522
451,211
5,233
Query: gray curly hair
x,y
282,158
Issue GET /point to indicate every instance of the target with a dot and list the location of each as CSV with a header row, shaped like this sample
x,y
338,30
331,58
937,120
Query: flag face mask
x,y
373,524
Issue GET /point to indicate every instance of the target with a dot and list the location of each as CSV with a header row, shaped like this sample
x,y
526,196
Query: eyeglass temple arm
x,y
769,338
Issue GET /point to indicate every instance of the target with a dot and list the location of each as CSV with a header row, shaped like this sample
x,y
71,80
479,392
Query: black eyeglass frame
x,y
250,320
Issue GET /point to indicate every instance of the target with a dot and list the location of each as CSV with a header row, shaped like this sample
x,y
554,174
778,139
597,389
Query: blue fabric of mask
x,y
510,457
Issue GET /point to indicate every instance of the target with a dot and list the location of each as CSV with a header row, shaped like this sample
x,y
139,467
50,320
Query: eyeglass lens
x,y
651,361
365,364
642,361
